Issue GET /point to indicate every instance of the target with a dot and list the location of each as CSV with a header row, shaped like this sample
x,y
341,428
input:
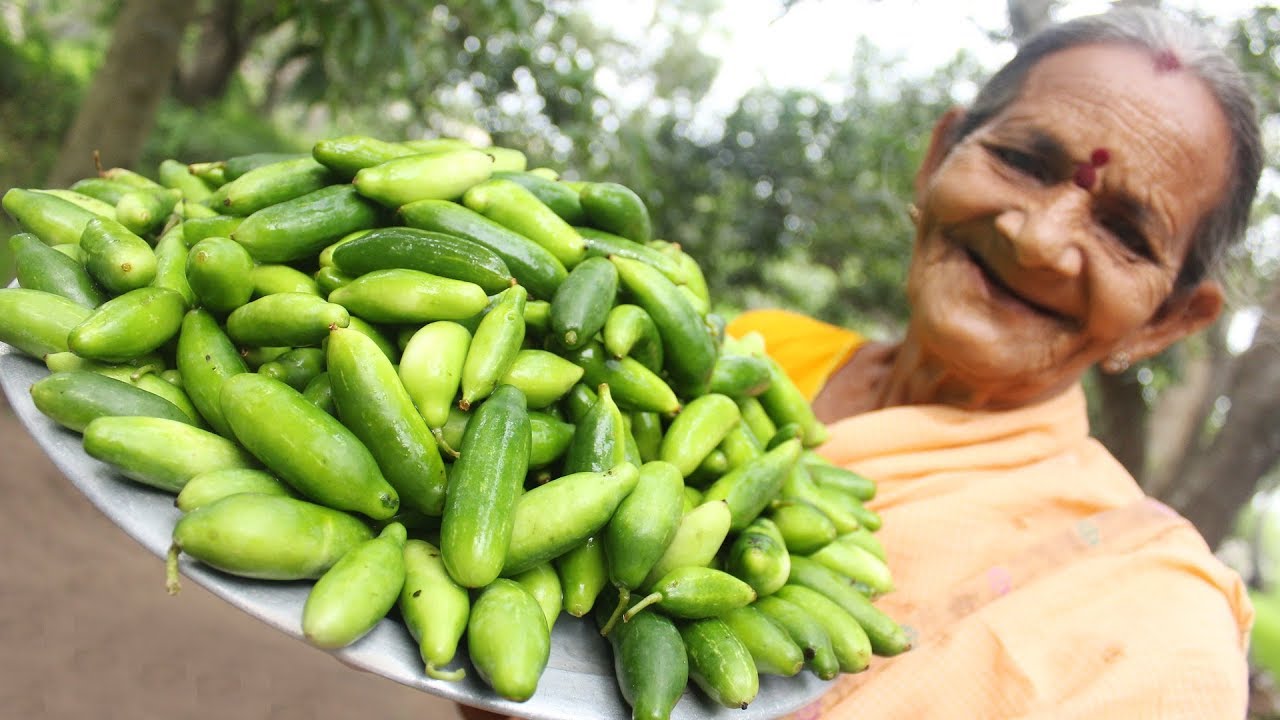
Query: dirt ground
x,y
88,632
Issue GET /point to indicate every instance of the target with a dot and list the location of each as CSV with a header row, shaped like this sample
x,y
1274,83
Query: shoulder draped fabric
x,y
1034,576
809,350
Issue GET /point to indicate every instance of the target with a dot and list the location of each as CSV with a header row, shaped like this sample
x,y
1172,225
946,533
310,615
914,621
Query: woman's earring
x,y
1117,362
913,212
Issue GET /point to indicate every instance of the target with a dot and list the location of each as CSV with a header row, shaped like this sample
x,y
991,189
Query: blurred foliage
x,y
38,98
1255,45
1254,42
227,127
804,203
791,198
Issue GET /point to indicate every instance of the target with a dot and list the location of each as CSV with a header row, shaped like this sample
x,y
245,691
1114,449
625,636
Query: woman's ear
x,y
940,144
1184,315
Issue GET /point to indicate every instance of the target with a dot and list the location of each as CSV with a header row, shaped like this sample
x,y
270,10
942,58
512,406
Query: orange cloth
x,y
809,349
1035,577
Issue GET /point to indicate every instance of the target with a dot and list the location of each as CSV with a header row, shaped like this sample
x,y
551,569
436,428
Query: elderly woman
x,y
1068,218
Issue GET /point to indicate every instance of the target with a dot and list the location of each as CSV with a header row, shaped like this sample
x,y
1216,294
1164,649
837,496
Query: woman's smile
x,y
1001,292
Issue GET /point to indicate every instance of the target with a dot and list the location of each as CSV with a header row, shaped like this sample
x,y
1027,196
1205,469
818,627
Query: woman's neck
x,y
859,385
882,375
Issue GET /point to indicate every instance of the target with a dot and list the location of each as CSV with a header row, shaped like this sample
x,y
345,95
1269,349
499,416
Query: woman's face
x,y
1050,237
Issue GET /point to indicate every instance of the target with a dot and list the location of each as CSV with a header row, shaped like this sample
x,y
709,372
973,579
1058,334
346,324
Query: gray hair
x,y
1187,47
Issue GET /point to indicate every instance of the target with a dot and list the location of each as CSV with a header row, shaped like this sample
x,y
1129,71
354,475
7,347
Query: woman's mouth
x,y
1001,290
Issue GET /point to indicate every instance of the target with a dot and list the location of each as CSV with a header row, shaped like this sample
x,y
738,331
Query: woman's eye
x,y
1025,163
1128,235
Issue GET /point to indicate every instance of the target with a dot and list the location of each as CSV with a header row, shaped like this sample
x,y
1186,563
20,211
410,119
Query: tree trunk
x,y
1123,424
119,108
1217,482
218,52
1178,419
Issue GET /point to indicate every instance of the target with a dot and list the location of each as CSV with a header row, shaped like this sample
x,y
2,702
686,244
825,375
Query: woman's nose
x,y
1047,236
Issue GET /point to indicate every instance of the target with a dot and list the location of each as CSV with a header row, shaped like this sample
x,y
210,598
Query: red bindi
x,y
1085,175
1099,157
1166,61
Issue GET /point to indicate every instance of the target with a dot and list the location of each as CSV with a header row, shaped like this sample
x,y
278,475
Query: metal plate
x,y
578,683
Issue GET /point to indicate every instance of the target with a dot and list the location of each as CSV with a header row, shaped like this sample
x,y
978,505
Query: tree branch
x,y
1219,481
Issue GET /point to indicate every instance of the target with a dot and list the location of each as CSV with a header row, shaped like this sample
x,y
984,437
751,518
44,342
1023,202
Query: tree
x,y
226,31
1222,477
117,113
350,61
